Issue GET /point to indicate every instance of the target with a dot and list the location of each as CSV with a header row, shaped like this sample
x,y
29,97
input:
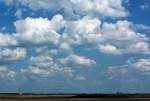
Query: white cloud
x,y
39,30
111,38
85,30
121,30
42,61
141,27
142,65
132,75
44,66
116,72
110,8
36,71
57,22
109,49
72,60
7,40
39,4
65,46
6,73
28,25
8,54
123,36
139,47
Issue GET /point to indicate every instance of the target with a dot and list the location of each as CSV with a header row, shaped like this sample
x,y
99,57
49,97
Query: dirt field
x,y
14,97
78,99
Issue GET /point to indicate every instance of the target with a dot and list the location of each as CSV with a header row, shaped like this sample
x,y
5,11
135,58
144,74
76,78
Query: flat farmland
x,y
68,97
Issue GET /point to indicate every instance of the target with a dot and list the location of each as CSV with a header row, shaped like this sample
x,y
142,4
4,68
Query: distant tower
x,y
19,91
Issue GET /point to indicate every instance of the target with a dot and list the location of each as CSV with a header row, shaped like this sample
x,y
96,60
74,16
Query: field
x,y
75,97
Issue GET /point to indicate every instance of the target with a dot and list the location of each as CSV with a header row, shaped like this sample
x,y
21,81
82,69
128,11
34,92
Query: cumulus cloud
x,y
77,61
108,8
81,24
110,38
7,73
39,4
139,47
42,61
121,30
109,49
57,22
39,30
44,66
141,27
9,54
7,40
65,46
117,72
130,76
123,36
47,66
141,67
85,30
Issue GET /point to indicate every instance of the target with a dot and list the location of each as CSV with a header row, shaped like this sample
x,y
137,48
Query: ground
x,y
69,97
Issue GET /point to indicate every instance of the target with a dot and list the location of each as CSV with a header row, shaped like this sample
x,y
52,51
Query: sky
x,y
75,46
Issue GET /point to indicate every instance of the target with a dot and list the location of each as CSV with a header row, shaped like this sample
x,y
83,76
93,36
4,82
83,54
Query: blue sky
x,y
75,46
